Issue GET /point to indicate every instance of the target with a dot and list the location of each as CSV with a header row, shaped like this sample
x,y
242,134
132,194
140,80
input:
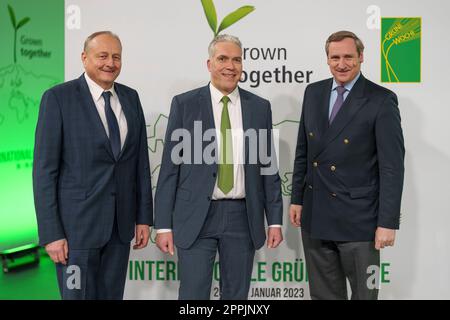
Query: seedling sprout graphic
x,y
230,19
403,30
16,27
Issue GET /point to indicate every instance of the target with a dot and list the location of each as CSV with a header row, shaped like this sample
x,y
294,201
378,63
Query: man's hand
x,y
58,251
142,236
295,213
384,238
274,237
164,241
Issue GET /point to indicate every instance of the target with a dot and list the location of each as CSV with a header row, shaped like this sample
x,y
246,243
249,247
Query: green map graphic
x,y
31,61
288,129
156,133
155,140
21,90
401,49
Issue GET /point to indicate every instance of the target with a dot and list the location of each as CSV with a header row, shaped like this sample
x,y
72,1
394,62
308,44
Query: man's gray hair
x,y
341,35
96,34
222,38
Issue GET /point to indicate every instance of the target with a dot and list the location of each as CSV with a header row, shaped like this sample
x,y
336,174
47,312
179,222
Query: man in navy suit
x,y
91,175
348,174
203,205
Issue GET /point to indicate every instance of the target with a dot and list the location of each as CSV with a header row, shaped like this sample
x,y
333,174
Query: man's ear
x,y
83,58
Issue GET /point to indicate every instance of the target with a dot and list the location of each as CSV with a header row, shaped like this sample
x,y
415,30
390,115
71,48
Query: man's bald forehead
x,y
92,37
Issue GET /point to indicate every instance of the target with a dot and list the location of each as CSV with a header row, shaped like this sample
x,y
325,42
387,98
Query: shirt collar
x,y
348,85
96,90
216,95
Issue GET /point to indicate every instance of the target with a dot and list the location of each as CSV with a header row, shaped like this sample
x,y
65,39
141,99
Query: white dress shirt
x,y
96,92
235,114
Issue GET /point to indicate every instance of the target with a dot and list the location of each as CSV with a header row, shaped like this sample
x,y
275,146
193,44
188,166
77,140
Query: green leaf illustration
x,y
12,15
16,27
23,22
210,12
234,17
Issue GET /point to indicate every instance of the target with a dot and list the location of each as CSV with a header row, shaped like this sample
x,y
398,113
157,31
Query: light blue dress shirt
x,y
334,94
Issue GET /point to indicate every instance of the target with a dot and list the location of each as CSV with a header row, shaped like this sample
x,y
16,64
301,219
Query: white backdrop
x,y
165,52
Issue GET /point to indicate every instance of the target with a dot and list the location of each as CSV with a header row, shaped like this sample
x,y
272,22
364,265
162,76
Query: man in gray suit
x,y
348,174
91,175
203,206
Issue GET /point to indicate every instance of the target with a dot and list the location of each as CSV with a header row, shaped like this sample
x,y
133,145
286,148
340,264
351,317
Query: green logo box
x,y
401,40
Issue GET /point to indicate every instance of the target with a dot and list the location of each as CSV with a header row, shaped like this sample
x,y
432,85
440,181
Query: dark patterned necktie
x,y
113,126
339,101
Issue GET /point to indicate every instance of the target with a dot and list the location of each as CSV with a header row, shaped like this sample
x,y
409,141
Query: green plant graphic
x,y
230,19
22,83
16,27
401,32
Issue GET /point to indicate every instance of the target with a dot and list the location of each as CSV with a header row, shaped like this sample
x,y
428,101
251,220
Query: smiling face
x,y
102,60
344,60
225,66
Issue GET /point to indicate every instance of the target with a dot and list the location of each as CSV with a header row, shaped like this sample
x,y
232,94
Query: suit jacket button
x,y
209,198
333,195
333,168
310,186
346,141
315,164
214,175
311,134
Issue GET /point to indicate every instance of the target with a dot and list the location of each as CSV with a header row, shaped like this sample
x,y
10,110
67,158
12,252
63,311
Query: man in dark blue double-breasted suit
x,y
348,174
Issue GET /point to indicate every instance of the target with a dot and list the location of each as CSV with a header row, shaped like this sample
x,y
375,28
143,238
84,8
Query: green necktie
x,y
225,179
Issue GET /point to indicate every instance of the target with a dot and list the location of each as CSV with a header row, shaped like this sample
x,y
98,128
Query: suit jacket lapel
x,y
246,119
321,103
89,107
126,108
323,110
352,104
206,109
207,117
